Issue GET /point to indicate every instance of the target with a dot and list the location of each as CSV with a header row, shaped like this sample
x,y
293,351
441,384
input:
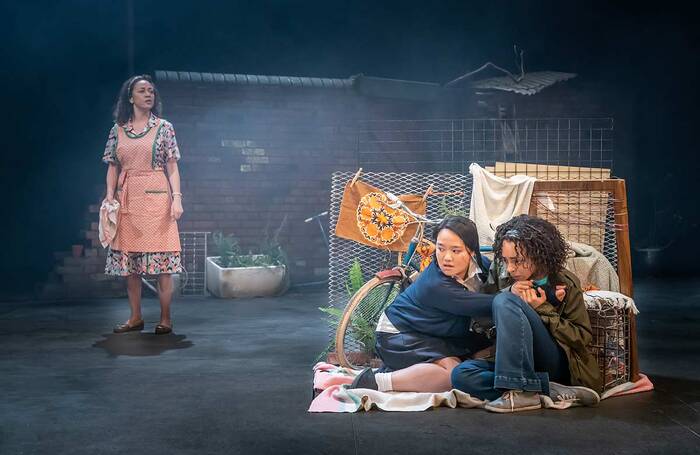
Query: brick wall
x,y
257,157
82,275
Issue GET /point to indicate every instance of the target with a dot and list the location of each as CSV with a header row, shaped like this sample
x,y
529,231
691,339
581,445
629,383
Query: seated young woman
x,y
542,326
425,333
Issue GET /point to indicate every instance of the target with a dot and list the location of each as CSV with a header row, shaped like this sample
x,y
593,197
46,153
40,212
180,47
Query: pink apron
x,y
145,224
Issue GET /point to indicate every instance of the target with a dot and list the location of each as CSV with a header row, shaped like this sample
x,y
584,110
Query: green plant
x,y
355,279
362,330
227,248
230,255
274,252
445,211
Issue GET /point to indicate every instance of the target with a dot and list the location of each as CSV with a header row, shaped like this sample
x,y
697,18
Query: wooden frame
x,y
617,188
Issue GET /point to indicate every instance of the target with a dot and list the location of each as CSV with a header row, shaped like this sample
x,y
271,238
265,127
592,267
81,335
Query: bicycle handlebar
x,y
319,215
398,203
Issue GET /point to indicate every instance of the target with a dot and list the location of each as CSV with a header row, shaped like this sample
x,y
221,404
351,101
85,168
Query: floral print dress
x,y
147,240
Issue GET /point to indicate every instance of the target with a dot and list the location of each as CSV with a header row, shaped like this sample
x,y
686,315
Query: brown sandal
x,y
126,327
163,329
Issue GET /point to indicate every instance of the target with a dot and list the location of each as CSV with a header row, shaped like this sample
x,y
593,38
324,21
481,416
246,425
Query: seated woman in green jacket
x,y
542,326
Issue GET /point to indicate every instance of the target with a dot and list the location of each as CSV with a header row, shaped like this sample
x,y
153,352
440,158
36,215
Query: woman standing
x,y
143,176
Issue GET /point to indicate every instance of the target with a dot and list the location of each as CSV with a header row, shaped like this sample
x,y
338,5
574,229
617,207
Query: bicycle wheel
x,y
354,338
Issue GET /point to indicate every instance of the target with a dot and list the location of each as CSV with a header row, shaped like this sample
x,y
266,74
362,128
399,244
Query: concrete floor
x,y
235,377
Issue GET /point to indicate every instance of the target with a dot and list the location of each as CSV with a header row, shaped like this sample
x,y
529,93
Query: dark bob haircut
x,y
465,230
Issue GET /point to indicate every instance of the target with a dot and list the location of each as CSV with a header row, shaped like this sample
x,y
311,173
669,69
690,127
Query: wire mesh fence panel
x,y
610,239
586,217
545,148
194,256
551,149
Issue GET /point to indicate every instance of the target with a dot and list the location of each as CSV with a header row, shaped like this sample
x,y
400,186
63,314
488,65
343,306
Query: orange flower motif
x,y
379,223
387,234
366,214
371,230
375,201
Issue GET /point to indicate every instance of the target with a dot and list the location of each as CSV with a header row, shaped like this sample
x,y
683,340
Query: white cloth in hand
x,y
109,215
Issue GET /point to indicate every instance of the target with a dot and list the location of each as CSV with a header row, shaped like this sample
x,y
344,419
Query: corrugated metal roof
x,y
254,79
530,84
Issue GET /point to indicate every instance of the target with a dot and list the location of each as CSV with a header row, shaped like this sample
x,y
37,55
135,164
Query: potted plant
x,y
233,274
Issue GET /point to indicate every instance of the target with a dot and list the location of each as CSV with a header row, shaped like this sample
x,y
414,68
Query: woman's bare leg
x,y
165,295
133,290
425,377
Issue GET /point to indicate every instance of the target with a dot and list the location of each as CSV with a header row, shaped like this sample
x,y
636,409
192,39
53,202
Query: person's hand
x,y
176,208
520,286
534,297
560,292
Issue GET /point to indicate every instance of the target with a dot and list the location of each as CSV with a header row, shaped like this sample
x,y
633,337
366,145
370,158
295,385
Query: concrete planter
x,y
236,282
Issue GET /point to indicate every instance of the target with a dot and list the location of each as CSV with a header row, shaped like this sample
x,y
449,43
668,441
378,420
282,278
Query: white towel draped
x,y
496,200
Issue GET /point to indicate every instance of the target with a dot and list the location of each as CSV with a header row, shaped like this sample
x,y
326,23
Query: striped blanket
x,y
330,382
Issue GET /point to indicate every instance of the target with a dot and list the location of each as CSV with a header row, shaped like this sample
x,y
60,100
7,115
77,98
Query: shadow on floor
x,y
141,344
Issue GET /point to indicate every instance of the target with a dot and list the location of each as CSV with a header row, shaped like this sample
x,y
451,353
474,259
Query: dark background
x,y
63,63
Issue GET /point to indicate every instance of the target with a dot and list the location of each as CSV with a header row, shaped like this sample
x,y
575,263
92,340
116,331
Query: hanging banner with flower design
x,y
366,217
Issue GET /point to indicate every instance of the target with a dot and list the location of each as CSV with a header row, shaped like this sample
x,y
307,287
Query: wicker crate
x,y
611,340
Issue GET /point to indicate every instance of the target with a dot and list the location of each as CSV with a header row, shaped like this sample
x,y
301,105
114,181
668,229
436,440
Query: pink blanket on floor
x,y
335,397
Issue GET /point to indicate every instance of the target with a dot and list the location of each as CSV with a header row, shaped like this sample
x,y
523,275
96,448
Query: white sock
x,y
383,382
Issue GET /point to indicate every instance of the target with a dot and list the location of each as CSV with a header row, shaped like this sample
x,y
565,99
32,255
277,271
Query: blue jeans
x,y
526,355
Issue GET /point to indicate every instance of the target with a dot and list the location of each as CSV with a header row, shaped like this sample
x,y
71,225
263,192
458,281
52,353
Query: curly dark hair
x,y
123,110
536,239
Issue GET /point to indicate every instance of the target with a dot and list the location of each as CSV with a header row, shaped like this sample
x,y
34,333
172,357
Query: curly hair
x,y
123,110
535,239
